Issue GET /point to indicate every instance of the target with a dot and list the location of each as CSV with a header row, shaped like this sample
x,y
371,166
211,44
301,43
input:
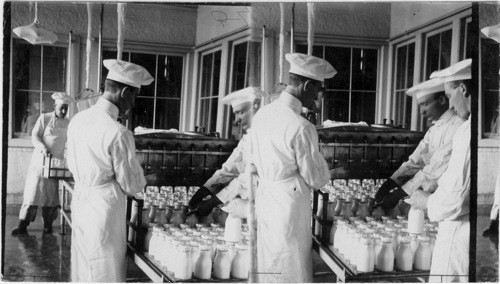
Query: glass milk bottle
x,y
365,256
432,240
160,214
233,229
203,264
404,255
165,253
133,220
385,258
154,242
145,214
413,243
148,236
377,246
222,263
339,234
153,211
346,210
363,211
240,263
182,267
177,217
338,206
169,211
319,215
333,230
415,221
423,254
394,236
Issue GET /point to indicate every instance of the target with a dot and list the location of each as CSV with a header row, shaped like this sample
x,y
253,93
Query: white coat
x,y
430,159
228,181
289,164
101,156
449,205
49,133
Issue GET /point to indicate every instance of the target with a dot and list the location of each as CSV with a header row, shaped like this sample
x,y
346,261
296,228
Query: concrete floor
x,y
39,257
46,258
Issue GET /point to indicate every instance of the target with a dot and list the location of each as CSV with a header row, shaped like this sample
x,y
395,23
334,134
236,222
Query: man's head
x,y
457,86
430,98
123,83
61,101
306,77
245,104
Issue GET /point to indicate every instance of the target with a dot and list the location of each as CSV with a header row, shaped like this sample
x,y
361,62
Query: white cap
x,y
310,66
457,71
492,32
426,88
61,98
246,95
127,73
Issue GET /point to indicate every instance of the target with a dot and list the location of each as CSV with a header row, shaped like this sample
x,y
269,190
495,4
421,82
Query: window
x,y
209,90
464,31
350,95
403,80
437,52
245,73
490,85
38,72
158,104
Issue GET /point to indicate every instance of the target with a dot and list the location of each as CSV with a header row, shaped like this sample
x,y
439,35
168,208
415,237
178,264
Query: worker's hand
x,y
199,196
238,207
392,199
385,189
46,152
206,206
429,185
418,199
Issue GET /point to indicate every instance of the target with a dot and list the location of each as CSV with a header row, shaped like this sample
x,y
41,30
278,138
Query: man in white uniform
x,y
101,156
430,159
491,231
229,181
449,204
285,151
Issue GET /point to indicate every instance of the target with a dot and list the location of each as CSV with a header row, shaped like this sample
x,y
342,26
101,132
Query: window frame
x,y
420,34
352,43
72,71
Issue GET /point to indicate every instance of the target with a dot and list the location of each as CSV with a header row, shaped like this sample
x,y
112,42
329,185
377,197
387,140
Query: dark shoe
x,y
492,229
21,228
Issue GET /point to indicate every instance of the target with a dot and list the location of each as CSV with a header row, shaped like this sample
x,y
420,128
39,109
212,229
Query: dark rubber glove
x,y
206,206
199,196
392,199
384,189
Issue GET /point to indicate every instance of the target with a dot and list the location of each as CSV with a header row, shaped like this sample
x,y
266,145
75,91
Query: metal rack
x,y
361,152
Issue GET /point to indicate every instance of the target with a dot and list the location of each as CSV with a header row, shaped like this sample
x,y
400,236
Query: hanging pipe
x,y
121,29
251,172
311,18
282,40
292,32
89,43
99,65
263,60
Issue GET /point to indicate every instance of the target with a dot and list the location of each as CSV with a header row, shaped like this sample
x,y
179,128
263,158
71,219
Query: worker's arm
x,y
311,163
128,171
37,135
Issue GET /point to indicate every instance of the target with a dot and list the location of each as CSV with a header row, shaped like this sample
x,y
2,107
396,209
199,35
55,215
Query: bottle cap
x,y
241,246
214,225
366,240
422,238
204,247
147,205
386,239
369,219
184,226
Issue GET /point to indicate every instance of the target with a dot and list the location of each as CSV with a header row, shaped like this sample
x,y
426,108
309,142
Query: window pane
x,y
47,102
26,63
336,106
464,31
169,80
363,107
148,61
206,75
403,105
364,69
143,113
438,52
27,106
340,58
54,65
490,84
167,114
239,66
410,65
208,117
213,115
401,55
216,75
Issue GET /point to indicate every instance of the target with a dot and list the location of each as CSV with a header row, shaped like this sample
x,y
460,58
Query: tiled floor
x,y
46,258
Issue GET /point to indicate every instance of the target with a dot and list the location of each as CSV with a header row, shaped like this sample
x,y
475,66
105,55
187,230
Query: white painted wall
x,y
408,15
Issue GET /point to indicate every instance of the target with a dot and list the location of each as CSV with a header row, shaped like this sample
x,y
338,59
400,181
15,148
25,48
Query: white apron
x,y
284,238
39,191
450,258
98,243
